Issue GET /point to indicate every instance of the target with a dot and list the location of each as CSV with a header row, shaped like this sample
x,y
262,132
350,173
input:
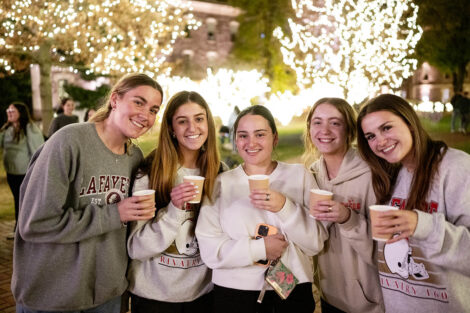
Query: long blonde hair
x,y
168,157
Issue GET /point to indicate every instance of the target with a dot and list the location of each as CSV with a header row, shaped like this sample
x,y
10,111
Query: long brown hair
x,y
427,153
168,157
349,116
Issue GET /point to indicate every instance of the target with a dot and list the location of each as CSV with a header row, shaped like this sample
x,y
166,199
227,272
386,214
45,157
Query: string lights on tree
x,y
105,37
359,45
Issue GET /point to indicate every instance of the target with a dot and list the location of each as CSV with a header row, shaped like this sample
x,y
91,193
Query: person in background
x,y
19,139
347,273
65,116
88,114
166,273
70,243
424,267
226,228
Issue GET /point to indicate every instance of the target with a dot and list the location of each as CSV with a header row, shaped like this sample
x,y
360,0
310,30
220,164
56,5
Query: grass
x,y
290,147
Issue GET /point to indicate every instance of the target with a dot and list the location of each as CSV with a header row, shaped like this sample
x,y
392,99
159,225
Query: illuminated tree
x,y
104,37
358,45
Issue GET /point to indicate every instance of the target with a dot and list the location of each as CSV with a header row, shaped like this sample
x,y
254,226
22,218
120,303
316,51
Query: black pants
x,y
328,308
14,181
202,304
227,300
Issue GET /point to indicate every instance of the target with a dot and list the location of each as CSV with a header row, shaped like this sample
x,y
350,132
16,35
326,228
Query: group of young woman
x,y
78,224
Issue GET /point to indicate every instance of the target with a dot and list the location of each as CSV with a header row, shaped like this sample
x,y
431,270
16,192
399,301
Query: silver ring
x,y
267,197
330,209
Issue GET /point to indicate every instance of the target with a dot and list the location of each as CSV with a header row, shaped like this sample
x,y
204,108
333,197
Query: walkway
x,y
7,303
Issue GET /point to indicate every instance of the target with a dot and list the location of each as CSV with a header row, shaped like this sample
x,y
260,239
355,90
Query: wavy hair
x,y
427,153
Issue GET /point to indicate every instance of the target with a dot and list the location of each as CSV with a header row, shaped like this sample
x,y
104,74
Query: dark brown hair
x,y
23,120
427,153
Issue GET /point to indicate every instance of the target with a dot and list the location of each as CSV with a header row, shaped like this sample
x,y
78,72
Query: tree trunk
x,y
45,62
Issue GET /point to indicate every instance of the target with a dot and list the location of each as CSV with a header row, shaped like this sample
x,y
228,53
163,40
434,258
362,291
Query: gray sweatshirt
x,y
347,272
166,264
430,272
70,246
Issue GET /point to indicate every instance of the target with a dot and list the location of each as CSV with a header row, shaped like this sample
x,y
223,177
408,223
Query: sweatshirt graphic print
x,y
404,269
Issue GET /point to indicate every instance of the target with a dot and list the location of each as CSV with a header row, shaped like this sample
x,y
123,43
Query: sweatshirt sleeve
x,y
150,238
301,229
445,237
357,229
49,198
218,250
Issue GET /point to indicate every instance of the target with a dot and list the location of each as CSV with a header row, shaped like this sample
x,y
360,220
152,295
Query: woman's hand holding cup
x,y
141,206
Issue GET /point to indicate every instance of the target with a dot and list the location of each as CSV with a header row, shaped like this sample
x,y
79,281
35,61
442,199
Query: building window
x,y
425,77
233,26
211,24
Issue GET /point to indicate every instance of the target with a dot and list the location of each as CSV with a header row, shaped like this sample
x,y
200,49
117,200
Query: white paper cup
x,y
199,182
258,182
318,195
145,192
373,213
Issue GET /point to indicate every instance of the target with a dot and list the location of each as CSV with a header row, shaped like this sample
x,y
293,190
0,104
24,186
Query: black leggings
x,y
14,181
227,300
202,304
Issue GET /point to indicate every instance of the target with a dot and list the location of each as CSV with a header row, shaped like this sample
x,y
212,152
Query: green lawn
x,y
290,147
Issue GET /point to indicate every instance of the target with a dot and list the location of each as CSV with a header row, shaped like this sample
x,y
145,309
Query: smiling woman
x,y
430,184
347,260
227,226
166,273
85,171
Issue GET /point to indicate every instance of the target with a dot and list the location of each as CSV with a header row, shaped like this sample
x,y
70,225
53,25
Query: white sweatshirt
x,y
166,264
430,272
226,228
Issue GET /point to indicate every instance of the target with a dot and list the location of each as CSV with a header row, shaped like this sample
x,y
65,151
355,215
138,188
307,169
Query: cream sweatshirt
x,y
226,228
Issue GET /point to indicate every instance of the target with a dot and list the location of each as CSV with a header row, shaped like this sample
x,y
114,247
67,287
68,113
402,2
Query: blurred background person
x,y
19,139
65,116
88,114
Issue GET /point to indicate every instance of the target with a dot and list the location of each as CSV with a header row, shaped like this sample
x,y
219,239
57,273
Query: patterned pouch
x,y
281,279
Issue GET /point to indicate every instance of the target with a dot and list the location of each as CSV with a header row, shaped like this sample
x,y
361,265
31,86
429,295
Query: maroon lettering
x,y
123,184
115,180
106,184
102,179
91,186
